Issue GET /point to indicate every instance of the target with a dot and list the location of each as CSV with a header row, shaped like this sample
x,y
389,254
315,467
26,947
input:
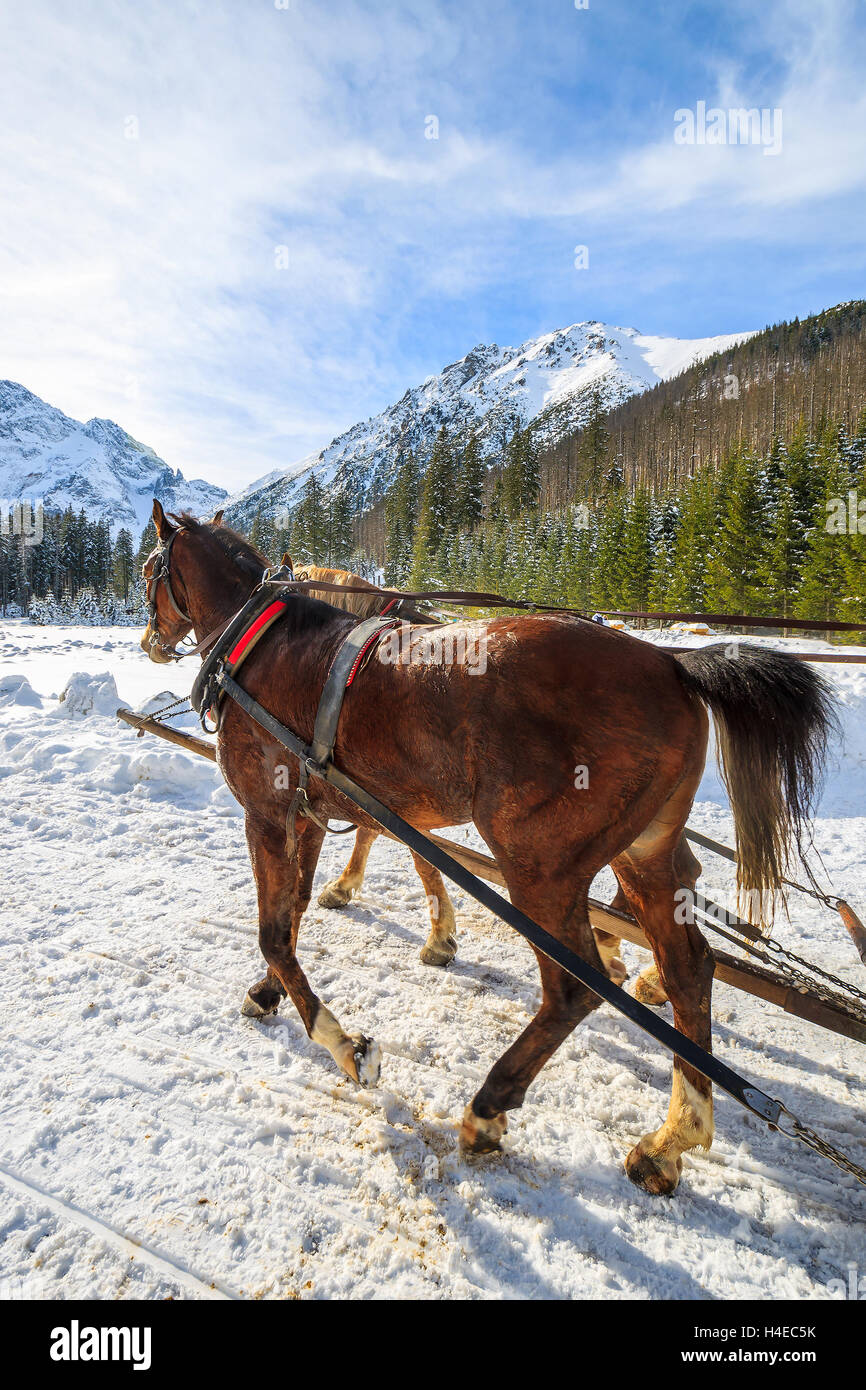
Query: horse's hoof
x,y
480,1136
657,1175
250,1009
332,895
647,990
367,1060
439,952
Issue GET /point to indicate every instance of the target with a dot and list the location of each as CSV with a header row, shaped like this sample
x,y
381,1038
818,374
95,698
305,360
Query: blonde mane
x,y
359,604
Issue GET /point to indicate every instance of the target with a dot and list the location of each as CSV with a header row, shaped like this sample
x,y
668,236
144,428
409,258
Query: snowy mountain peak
x,y
96,466
549,381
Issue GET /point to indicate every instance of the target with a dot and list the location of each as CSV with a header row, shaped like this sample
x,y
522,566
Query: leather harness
x,y
259,614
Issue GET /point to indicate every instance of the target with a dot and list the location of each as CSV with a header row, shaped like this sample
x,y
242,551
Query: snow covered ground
x,y
156,1144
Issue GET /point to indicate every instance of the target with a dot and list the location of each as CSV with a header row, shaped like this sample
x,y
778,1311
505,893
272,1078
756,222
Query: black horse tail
x,y
774,718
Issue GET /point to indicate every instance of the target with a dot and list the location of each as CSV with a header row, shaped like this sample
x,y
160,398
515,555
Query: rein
x,y
468,599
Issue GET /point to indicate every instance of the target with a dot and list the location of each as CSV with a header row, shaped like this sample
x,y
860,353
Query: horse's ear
x,y
217,518
287,560
163,526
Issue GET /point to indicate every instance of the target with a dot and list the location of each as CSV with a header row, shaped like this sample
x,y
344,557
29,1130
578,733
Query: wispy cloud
x,y
224,225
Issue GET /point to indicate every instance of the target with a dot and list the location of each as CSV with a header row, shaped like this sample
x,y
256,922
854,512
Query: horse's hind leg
x,y
555,905
284,886
685,966
341,890
648,987
440,947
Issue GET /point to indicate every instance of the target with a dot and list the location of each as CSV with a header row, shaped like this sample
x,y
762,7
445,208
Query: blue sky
x,y
154,156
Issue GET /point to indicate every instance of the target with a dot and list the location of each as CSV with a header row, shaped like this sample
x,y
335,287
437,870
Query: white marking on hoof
x,y
480,1136
359,1057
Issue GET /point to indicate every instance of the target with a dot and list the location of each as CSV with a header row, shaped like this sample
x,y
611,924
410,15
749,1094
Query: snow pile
x,y
85,695
17,690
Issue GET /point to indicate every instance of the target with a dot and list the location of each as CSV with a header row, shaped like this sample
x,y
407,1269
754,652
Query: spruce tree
x,y
309,537
687,587
635,560
593,444
146,544
401,517
822,589
470,488
435,519
737,552
123,564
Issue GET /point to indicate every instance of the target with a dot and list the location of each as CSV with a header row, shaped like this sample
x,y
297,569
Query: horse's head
x,y
170,618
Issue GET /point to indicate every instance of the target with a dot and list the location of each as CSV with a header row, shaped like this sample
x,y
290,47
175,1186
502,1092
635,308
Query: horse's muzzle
x,y
153,649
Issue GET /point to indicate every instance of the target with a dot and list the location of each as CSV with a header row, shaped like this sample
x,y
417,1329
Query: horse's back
x,y
359,604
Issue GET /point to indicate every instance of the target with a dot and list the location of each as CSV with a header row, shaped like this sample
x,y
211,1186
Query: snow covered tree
x,y
736,553
634,570
470,486
309,543
594,440
435,519
338,521
401,517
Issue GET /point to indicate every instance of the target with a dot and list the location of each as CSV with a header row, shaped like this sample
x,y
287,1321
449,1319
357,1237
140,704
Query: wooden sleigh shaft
x,y
748,976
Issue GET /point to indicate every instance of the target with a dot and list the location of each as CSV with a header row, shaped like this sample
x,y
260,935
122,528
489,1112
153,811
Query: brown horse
x,y
572,747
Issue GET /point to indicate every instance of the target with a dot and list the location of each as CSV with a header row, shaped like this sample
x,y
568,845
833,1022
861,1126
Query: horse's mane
x,y
365,605
234,546
362,605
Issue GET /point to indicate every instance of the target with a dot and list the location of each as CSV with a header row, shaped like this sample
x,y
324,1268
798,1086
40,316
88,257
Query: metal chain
x,y
781,951
803,983
184,700
807,1136
830,900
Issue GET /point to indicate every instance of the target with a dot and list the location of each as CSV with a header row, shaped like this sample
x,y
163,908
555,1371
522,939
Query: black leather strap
x,y
203,693
334,689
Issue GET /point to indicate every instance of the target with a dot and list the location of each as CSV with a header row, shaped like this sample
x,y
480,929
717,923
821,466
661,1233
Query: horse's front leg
x,y
284,886
341,890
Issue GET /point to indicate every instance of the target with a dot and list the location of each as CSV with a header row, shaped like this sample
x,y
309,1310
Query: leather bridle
x,y
161,574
